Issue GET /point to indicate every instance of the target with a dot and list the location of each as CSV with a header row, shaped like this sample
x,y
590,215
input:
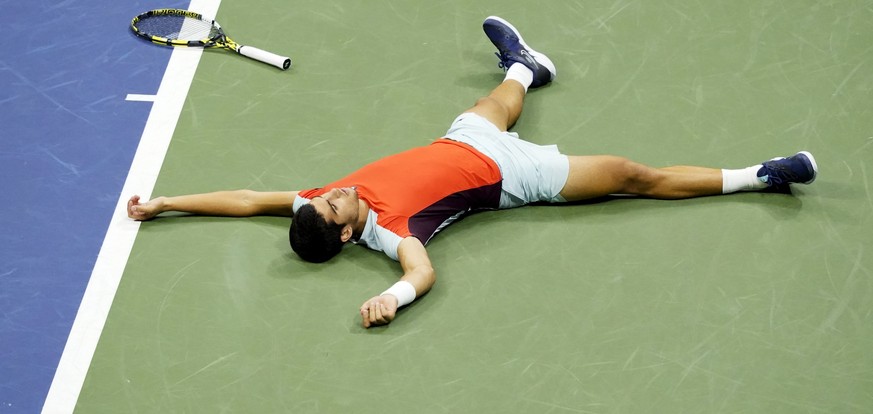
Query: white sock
x,y
745,179
521,74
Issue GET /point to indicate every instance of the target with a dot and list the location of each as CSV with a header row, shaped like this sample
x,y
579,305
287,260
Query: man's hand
x,y
379,310
143,211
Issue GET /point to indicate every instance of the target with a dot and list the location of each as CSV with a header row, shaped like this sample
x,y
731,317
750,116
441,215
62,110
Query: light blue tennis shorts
x,y
531,172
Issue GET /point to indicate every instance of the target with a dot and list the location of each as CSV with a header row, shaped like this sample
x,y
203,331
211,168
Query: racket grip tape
x,y
281,62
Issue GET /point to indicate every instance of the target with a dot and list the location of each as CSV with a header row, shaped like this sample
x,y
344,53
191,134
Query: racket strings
x,y
177,28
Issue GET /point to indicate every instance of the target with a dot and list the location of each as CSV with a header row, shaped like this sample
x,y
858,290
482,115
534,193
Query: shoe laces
x,y
504,61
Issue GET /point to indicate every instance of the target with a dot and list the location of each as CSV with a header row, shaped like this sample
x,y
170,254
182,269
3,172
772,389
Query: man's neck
x,y
363,213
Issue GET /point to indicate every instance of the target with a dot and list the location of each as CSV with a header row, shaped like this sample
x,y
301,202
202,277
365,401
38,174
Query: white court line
x,y
135,97
106,276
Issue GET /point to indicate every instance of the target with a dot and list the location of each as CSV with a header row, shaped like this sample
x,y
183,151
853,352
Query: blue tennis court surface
x,y
68,137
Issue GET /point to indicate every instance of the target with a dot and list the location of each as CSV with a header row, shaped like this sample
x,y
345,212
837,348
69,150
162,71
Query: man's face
x,y
339,205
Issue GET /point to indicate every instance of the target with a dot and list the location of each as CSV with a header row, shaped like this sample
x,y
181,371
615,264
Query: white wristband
x,y
403,291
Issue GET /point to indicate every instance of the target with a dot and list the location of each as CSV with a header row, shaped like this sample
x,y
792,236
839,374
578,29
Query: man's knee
x,y
493,110
491,104
637,178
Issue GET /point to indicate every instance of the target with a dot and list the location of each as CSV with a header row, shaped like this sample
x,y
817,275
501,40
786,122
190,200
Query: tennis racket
x,y
174,27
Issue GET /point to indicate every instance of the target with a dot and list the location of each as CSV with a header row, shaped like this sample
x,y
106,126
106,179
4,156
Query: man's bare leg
x,y
602,175
502,106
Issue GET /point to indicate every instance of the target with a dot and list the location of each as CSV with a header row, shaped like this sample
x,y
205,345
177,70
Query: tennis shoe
x,y
798,168
512,49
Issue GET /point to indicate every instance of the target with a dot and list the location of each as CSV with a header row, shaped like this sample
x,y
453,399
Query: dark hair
x,y
312,237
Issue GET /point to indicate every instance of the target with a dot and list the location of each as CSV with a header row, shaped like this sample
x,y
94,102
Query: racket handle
x,y
281,62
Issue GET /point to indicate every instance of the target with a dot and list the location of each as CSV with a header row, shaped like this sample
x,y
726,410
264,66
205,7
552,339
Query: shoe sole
x,y
539,57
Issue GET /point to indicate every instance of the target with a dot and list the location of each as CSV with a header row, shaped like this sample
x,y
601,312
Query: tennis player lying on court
x,y
397,204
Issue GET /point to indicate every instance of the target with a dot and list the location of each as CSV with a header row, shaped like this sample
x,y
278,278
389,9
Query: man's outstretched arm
x,y
238,203
418,278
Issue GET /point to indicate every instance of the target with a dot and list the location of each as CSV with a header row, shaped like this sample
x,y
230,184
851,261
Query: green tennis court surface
x,y
745,303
